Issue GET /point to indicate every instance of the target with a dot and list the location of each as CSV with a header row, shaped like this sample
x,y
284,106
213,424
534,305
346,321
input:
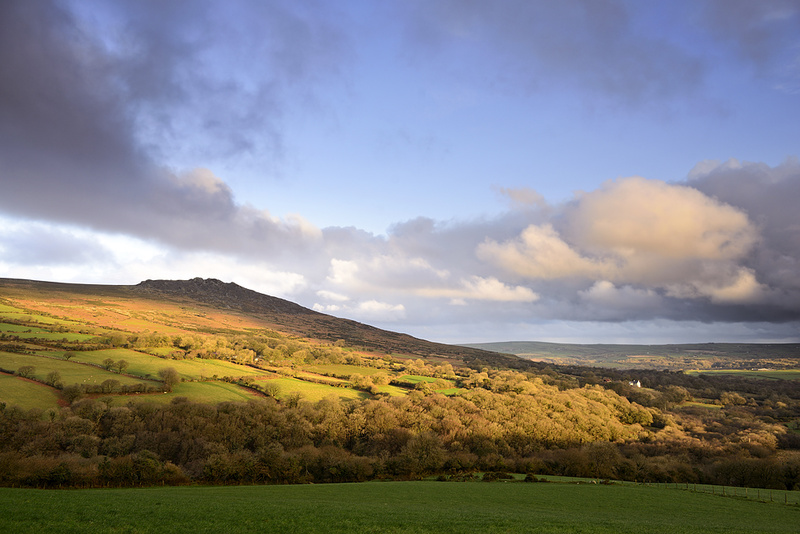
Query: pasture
x,y
26,394
315,392
769,374
395,507
71,372
148,366
212,392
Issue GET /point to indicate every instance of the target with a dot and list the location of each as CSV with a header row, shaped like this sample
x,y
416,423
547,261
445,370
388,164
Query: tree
x,y
26,371
69,355
107,363
110,385
122,365
54,379
170,377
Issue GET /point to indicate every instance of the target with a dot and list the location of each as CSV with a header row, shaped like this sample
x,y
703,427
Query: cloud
x,y
540,253
94,101
478,288
554,45
636,217
701,248
117,120
768,195
369,311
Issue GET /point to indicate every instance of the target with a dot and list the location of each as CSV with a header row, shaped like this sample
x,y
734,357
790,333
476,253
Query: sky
x,y
464,171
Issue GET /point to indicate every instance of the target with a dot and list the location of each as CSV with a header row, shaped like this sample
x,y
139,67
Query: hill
x,y
697,356
268,311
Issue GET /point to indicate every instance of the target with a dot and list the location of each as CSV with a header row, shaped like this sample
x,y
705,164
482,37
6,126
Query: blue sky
x,y
459,170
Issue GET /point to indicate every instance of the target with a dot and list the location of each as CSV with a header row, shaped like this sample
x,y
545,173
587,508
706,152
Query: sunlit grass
x,y
26,394
395,507
71,372
343,369
146,365
315,392
212,392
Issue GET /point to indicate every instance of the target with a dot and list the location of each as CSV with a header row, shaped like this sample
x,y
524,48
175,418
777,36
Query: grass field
x,y
54,336
26,394
342,369
206,392
771,374
70,371
315,392
146,365
394,507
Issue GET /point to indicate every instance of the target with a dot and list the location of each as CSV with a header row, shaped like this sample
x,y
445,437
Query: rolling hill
x,y
268,311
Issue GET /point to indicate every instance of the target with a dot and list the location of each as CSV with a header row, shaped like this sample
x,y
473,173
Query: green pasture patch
x,y
147,365
415,379
771,374
35,318
393,391
394,507
54,336
343,369
315,392
8,327
211,392
26,394
71,372
5,308
323,378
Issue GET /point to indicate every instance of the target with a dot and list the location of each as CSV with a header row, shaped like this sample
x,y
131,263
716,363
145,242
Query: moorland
x,y
199,381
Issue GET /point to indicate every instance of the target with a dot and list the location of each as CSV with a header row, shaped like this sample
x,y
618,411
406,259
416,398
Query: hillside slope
x,y
277,313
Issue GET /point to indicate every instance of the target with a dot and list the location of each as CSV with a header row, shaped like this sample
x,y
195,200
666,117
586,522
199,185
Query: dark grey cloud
x,y
591,47
90,103
769,196
763,32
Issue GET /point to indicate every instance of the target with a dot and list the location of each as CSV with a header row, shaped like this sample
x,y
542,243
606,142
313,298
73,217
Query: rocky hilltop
x,y
223,295
294,319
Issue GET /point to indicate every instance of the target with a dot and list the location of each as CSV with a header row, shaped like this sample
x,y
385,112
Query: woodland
x,y
421,412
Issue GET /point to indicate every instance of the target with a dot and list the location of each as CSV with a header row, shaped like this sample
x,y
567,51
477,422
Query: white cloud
x,y
330,295
539,252
478,288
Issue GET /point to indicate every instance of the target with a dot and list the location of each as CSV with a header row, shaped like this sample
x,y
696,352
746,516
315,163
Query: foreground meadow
x,y
391,507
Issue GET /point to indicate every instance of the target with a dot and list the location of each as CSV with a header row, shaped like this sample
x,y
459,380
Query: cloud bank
x,y
87,116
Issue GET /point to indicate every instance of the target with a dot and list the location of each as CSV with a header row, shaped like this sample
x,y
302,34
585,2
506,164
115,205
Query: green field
x,y
212,392
26,394
145,365
771,374
342,369
71,372
54,336
314,392
396,507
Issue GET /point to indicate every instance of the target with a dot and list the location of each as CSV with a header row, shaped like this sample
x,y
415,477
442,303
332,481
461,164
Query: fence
x,y
758,494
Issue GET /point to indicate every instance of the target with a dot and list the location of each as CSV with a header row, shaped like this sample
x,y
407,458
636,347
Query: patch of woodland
x,y
504,421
